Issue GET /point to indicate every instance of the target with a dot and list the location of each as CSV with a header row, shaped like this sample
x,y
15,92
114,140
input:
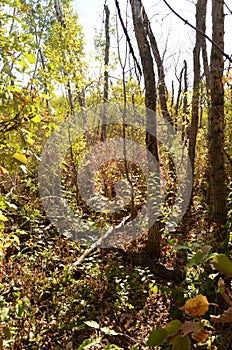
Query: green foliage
x,y
181,333
222,264
45,302
181,343
157,337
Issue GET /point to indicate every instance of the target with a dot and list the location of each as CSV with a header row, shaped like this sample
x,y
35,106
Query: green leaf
x,y
19,309
45,96
30,57
199,257
155,289
109,331
20,157
135,347
182,247
222,264
16,238
87,344
3,217
92,324
181,343
36,119
4,315
27,301
173,327
6,332
157,337
112,347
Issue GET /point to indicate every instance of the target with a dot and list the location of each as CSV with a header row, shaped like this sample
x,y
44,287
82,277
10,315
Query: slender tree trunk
x,y
216,125
153,243
106,73
200,23
185,112
162,89
178,99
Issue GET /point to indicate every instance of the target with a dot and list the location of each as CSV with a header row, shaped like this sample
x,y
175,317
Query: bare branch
x,y
128,38
199,31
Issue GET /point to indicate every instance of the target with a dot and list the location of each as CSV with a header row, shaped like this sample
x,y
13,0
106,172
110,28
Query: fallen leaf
x,y
3,171
197,306
225,292
188,327
224,318
201,335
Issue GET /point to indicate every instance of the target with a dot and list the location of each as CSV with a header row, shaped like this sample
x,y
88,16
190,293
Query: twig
x,y
199,31
127,37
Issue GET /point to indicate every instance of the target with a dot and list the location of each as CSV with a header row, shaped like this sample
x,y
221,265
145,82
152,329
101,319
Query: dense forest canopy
x,y
115,176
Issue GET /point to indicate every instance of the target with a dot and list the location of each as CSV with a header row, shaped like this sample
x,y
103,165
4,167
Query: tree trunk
x,y
153,243
185,112
106,73
162,89
200,23
216,125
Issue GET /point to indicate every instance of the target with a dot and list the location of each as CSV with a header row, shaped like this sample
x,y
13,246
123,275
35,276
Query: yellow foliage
x,y
197,306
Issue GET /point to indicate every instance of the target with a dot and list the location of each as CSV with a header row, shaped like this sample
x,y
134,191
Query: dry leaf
x,y
188,327
197,306
225,292
197,330
225,317
201,335
3,171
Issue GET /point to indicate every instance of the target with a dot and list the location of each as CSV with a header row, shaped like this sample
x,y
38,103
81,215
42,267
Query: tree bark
x,y
216,125
185,112
162,89
106,72
200,39
153,242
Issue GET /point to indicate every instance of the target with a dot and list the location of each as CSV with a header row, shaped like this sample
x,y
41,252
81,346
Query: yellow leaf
x,y
20,157
3,217
197,306
3,171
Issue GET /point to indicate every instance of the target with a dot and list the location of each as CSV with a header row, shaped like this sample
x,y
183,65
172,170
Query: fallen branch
x,y
134,258
99,242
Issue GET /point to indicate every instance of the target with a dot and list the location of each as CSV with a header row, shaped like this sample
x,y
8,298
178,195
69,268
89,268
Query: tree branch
x,y
127,37
199,31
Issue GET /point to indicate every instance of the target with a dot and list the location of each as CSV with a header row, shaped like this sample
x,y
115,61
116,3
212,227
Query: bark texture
x,y
200,44
106,72
216,123
153,243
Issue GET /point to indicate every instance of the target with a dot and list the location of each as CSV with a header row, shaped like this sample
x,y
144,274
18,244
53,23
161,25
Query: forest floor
x,y
105,303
